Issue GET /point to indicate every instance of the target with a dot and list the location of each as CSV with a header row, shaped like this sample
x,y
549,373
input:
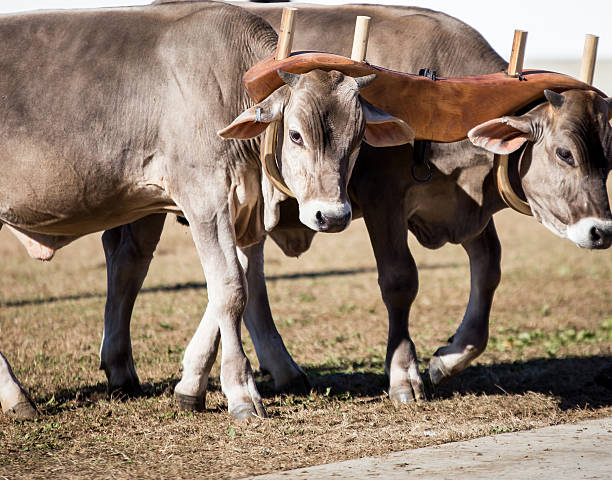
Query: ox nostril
x,y
345,218
319,217
595,234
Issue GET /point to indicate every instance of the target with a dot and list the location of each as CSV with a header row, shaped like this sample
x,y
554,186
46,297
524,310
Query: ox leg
x,y
129,251
399,283
471,337
14,400
227,297
269,346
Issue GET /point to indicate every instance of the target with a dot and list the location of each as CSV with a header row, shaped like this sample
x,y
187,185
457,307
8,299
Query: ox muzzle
x,y
591,233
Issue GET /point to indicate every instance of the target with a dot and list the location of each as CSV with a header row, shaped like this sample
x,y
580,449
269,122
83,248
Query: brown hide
x,y
443,110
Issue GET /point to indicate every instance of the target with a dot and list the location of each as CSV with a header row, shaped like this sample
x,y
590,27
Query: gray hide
x,y
110,117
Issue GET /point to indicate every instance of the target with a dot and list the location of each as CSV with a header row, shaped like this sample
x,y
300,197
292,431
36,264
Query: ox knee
x,y
398,291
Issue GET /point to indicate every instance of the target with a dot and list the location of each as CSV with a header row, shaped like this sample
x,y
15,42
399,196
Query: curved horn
x,y
555,99
290,79
363,82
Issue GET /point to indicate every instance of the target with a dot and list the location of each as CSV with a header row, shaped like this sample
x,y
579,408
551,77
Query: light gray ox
x,y
109,117
564,164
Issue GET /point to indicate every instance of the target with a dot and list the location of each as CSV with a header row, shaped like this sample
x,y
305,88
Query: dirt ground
x,y
551,334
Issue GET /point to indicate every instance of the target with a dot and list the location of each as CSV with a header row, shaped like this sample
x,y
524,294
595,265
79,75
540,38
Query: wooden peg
x,y
360,40
285,39
589,55
515,67
268,145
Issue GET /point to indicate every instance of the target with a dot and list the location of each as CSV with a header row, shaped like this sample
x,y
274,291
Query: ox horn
x,y
289,78
555,99
363,82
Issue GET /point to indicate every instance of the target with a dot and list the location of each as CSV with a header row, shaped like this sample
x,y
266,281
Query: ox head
x,y
565,163
324,121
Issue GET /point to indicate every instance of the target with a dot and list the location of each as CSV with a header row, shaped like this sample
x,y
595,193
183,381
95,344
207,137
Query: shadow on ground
x,y
577,382
177,287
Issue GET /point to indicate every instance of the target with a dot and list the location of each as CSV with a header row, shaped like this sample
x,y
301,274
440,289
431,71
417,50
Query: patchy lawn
x,y
551,334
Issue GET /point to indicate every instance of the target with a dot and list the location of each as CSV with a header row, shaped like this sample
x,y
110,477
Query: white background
x,y
556,28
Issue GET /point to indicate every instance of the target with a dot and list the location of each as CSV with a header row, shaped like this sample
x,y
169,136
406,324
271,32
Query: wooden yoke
x,y
443,110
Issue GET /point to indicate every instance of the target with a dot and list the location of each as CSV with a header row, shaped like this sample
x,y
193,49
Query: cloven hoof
x,y
246,411
298,385
125,391
404,394
401,395
22,411
190,403
438,373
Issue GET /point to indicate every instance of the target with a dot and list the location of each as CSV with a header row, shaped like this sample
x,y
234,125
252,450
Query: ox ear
x,y
255,120
384,130
502,135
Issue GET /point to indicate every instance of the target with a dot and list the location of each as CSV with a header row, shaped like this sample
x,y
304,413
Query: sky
x,y
556,28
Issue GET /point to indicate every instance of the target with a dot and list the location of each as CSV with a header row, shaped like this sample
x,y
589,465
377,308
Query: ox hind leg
x,y
269,346
129,251
14,399
470,339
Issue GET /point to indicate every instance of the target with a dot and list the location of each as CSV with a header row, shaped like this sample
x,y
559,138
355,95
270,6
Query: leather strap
x,y
268,159
507,193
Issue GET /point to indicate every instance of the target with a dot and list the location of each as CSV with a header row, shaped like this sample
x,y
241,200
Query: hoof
x,y
190,403
246,411
125,391
298,385
438,373
22,411
404,394
400,395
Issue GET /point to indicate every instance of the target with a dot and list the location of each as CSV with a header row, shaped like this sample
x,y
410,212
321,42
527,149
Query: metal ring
x,y
427,177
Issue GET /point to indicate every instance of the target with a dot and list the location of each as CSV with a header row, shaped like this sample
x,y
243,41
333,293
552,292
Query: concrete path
x,y
578,451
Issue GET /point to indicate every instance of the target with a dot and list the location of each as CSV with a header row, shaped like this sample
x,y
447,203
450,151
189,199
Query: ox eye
x,y
565,156
296,137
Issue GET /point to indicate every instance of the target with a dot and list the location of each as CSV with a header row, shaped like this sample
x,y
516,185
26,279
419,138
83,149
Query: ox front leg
x,y
14,400
227,297
471,337
398,280
129,251
269,346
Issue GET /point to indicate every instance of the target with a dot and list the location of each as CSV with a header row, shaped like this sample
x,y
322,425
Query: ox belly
x,y
50,215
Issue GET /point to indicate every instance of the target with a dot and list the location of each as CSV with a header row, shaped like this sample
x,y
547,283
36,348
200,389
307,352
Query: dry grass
x,y
551,333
